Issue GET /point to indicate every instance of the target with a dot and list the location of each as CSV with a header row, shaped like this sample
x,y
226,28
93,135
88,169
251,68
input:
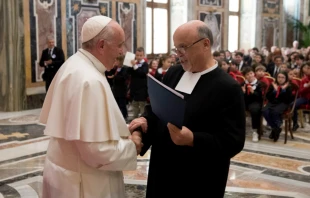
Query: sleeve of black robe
x,y
230,141
152,121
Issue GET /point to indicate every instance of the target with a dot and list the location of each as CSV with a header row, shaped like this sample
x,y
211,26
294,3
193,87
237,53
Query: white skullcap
x,y
93,26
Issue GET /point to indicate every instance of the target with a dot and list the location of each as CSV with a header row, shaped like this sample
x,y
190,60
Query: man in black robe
x,y
194,161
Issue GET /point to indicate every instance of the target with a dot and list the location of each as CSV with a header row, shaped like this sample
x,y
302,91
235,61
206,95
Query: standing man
x,y
51,59
194,161
90,143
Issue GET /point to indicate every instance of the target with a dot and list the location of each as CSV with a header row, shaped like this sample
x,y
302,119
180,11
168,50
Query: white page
x,y
165,86
128,58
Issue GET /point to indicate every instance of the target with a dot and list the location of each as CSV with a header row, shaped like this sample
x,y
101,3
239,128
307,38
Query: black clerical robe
x,y
215,113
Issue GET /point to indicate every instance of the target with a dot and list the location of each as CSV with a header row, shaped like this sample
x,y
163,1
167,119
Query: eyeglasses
x,y
181,50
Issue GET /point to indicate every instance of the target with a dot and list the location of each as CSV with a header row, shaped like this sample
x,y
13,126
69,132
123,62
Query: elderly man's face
x,y
189,49
113,47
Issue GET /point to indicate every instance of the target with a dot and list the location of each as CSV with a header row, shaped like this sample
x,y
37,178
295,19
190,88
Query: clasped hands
x,y
181,137
136,136
48,62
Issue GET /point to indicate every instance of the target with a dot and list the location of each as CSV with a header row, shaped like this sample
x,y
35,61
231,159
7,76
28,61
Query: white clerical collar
x,y
209,69
189,80
100,67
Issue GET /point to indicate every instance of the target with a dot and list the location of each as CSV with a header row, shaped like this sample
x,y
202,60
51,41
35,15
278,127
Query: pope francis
x,y
90,143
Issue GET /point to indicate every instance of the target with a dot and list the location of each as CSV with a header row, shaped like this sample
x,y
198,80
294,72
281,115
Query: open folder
x,y
167,104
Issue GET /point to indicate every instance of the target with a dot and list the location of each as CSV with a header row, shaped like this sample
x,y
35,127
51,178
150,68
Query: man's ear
x,y
100,44
206,43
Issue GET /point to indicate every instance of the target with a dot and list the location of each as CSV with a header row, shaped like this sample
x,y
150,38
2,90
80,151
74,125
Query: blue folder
x,y
167,104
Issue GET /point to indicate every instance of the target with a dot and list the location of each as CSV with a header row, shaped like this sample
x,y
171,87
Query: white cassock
x,y
89,148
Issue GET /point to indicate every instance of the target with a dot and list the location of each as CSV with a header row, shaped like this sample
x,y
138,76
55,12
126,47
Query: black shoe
x,y
295,127
271,135
277,134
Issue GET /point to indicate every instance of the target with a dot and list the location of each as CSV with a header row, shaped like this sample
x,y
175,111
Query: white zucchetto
x,y
93,26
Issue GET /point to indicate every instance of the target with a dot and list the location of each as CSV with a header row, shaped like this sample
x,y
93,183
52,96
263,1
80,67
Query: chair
x,y
301,110
287,117
240,79
270,79
267,74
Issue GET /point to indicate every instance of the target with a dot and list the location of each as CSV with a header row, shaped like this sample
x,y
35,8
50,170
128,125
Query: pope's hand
x,y
136,138
138,122
181,137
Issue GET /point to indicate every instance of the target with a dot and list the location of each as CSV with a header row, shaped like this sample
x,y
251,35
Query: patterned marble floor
x,y
262,170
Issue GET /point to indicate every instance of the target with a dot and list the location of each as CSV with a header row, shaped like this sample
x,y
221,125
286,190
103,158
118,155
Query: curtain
x,y
12,70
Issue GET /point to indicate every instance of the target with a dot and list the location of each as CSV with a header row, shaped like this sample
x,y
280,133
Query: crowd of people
x,y
129,83
289,69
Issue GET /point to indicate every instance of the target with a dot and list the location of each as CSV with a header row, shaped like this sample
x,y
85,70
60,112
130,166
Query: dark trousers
x,y
273,118
255,110
122,104
48,82
299,102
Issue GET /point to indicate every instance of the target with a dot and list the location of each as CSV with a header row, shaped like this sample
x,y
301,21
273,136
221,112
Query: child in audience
x,y
260,75
279,97
302,71
304,92
253,100
290,74
233,70
224,64
284,67
164,65
138,82
153,67
296,73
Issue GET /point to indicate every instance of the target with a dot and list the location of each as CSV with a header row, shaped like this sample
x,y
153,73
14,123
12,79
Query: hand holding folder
x,y
167,104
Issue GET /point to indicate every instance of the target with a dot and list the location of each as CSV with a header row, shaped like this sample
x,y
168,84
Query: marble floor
x,y
262,170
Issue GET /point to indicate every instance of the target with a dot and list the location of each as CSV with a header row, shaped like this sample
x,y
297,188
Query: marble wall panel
x,y
45,22
63,21
126,16
77,13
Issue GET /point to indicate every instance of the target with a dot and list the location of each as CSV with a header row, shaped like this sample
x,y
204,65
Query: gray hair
x,y
205,32
106,34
